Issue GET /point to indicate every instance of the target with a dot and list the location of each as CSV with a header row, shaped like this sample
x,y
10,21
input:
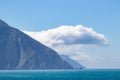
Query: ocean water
x,y
87,74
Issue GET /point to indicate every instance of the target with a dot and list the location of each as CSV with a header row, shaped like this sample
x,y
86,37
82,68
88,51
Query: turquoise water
x,y
88,74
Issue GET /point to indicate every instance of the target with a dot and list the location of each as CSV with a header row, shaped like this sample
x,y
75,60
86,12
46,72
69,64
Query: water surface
x,y
87,74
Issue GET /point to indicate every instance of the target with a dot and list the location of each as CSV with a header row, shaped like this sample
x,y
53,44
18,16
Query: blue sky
x,y
101,15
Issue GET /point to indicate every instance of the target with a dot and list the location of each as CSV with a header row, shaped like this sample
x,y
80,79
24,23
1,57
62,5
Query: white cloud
x,y
69,39
69,35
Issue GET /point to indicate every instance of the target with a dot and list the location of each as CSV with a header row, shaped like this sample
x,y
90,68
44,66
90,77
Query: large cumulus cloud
x,y
69,35
69,40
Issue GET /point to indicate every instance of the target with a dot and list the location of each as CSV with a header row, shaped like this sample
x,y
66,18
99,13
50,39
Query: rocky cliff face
x,y
19,51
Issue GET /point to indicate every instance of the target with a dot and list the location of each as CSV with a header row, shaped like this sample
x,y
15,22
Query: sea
x,y
86,74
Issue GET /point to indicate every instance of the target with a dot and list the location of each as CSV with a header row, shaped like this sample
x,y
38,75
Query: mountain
x,y
73,63
19,51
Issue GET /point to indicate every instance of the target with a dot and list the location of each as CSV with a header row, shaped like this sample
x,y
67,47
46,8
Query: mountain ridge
x,y
20,51
72,62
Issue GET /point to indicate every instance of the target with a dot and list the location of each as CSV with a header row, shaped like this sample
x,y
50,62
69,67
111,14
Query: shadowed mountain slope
x,y
73,63
19,51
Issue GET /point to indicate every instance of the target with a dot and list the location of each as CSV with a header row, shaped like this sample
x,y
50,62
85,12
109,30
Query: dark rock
x,y
19,51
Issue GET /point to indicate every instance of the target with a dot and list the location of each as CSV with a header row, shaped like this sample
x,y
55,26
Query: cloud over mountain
x,y
69,40
69,35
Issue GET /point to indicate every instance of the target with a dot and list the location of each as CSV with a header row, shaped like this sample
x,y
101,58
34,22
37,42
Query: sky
x,y
93,24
